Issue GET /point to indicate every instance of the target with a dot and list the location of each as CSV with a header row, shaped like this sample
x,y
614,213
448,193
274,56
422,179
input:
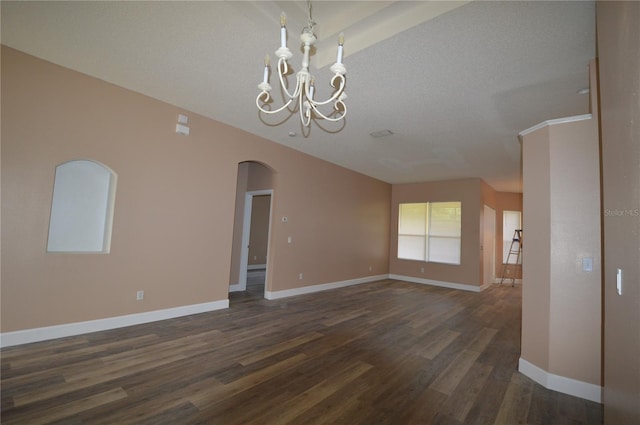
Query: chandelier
x,y
304,89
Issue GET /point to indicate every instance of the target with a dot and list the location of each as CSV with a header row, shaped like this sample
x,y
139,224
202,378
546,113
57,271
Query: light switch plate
x,y
619,281
182,129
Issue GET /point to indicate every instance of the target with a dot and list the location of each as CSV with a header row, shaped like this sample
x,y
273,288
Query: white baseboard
x,y
485,286
560,383
273,295
26,336
462,286
236,287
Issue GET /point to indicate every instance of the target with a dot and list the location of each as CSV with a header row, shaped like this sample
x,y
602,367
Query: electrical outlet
x,y
139,295
300,276
370,268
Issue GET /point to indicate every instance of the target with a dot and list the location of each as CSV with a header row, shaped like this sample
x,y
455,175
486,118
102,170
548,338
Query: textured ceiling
x,y
454,81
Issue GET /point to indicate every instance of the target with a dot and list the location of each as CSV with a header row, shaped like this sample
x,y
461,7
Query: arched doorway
x,y
251,230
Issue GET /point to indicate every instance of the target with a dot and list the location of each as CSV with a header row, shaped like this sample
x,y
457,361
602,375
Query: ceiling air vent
x,y
381,133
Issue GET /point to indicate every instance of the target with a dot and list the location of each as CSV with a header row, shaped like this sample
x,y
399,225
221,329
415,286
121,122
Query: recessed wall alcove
x,y
82,208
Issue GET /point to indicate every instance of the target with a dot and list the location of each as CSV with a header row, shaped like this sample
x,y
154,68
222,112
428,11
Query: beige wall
x,y
619,73
468,191
536,264
174,208
575,299
260,177
561,302
238,217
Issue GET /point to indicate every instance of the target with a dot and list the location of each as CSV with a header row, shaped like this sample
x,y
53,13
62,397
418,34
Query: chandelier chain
x,y
310,23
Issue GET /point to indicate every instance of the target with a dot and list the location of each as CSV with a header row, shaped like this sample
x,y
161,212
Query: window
x,y
430,231
82,208
511,221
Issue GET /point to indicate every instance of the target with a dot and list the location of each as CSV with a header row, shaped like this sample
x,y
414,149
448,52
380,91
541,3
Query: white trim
x,y
26,336
553,122
462,286
485,286
492,250
559,383
257,267
274,295
236,287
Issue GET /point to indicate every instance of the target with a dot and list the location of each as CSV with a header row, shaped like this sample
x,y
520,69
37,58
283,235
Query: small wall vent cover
x,y
381,133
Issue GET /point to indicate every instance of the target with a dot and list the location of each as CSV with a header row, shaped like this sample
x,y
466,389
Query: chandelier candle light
x,y
305,83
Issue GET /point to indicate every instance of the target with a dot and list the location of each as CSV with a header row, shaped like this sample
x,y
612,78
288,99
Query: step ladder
x,y
515,250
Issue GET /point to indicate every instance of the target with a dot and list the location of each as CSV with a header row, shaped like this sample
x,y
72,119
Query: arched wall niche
x,y
82,208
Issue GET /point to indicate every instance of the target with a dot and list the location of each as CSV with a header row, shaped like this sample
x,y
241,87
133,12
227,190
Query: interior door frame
x,y
492,249
246,233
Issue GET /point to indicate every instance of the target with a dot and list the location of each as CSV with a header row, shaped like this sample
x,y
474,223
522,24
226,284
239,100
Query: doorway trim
x,y
246,233
488,252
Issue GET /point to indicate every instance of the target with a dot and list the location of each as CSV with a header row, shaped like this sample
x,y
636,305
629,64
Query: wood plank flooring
x,y
387,352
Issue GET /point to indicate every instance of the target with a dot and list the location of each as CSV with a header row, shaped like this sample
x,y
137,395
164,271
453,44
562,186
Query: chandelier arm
x,y
342,81
266,95
282,82
299,85
266,99
305,112
338,118
336,95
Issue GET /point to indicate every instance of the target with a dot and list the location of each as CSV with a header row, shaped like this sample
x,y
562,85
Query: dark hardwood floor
x,y
387,352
